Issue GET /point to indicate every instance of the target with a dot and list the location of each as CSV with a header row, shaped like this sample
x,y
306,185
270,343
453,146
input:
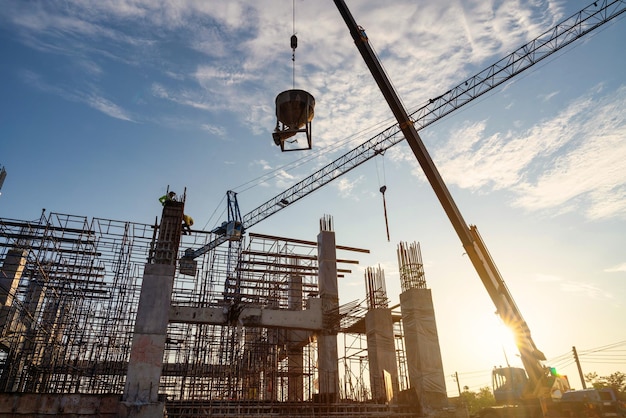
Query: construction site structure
x,y
77,334
96,319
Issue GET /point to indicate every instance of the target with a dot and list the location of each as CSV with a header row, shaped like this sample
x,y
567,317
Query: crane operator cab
x,y
512,386
508,384
294,113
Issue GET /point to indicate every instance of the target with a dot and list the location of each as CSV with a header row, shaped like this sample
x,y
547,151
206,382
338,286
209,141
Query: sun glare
x,y
503,340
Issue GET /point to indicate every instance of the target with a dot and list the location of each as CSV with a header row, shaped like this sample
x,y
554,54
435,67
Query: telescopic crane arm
x,y
470,239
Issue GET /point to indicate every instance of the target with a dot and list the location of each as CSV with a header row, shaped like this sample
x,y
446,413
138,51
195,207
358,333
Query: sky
x,y
106,104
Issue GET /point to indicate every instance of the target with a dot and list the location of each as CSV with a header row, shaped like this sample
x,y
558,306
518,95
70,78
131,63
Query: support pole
x,y
580,370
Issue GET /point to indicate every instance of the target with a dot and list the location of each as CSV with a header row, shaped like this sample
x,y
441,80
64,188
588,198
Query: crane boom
x,y
472,243
549,42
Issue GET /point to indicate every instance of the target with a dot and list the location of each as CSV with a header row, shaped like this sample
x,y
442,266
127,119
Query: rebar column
x,y
381,351
327,340
423,353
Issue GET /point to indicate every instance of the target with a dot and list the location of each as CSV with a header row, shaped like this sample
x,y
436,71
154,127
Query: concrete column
x,y
381,353
295,358
140,397
10,275
327,340
423,353
10,322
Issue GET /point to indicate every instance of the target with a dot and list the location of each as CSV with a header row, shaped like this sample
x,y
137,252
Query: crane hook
x,y
383,189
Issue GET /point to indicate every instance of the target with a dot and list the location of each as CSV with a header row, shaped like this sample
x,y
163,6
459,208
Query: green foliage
x,y
617,381
476,401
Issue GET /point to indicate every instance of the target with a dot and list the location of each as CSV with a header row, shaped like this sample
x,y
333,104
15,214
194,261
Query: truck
x,y
600,403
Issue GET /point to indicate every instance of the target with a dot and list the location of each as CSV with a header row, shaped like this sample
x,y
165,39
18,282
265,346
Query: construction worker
x,y
167,197
187,222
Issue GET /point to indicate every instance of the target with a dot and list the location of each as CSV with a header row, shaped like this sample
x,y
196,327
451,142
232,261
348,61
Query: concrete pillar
x,y
327,340
381,353
141,391
10,275
295,358
10,324
140,397
423,353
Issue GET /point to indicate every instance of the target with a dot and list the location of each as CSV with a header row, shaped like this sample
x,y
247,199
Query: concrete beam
x,y
50,404
309,319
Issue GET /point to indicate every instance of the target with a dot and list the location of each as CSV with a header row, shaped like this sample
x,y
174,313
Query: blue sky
x,y
103,104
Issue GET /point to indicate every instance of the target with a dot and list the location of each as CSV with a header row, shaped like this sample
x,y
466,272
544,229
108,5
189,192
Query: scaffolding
x,y
69,295
73,277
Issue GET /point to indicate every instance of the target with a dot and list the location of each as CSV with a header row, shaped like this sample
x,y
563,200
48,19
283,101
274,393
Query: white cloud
x,y
547,278
92,99
589,173
183,97
548,96
107,107
574,161
570,286
616,269
345,186
245,59
591,291
214,130
284,179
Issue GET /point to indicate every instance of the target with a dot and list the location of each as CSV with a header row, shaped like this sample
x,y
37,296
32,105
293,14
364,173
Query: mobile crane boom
x,y
470,239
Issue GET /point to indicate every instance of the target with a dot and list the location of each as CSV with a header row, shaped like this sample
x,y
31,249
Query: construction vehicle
x,y
600,403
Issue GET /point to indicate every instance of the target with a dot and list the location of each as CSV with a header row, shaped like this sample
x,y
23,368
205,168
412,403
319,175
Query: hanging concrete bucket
x,y
294,113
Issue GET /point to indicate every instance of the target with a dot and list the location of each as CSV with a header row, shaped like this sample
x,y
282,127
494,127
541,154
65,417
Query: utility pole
x,y
580,370
456,379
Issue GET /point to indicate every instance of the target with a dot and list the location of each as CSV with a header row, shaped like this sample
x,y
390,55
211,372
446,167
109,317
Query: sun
x,y
502,339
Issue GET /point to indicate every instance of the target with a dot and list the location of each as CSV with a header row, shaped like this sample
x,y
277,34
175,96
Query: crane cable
x,y
294,43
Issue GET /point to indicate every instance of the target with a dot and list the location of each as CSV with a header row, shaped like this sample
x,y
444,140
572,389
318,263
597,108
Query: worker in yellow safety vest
x,y
187,222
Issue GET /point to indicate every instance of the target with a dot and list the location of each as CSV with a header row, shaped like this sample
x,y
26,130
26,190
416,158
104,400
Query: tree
x,y
477,401
617,381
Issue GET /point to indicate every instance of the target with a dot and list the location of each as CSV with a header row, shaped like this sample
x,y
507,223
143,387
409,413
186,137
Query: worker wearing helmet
x,y
167,198
187,222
